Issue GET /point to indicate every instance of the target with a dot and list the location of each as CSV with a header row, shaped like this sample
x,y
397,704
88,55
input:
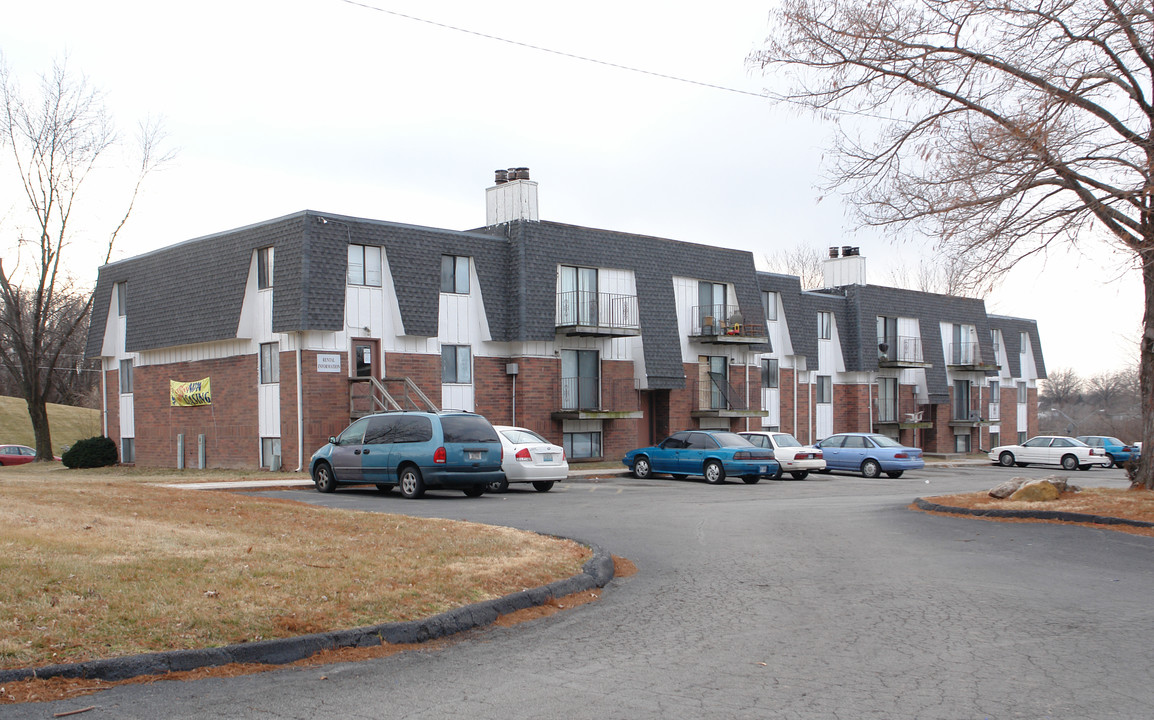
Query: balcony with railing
x,y
901,352
590,398
968,356
714,396
584,313
906,413
723,325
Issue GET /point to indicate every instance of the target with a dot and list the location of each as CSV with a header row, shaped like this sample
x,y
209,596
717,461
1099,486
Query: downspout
x,y
870,399
300,405
794,394
745,361
809,401
104,397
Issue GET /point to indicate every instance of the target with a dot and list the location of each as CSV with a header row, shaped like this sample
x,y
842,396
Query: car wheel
x,y
750,479
1110,462
475,491
543,485
384,489
870,469
412,486
498,485
641,468
800,474
1069,462
895,474
714,473
1006,459
323,478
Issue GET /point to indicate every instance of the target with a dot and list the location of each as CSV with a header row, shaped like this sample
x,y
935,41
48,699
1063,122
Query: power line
x,y
560,53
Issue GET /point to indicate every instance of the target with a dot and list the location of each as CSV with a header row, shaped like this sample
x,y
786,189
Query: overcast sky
x,y
280,106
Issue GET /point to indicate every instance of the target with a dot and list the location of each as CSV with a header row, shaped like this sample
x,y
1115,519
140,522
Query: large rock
x,y
1036,491
1007,488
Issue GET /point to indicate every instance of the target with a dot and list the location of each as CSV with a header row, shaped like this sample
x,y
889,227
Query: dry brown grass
x,y
99,565
1135,504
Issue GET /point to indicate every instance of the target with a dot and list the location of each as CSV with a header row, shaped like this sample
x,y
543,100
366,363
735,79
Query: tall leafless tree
x,y
54,139
1062,388
801,260
999,129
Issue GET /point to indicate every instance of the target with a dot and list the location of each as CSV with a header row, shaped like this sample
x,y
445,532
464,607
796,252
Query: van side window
x,y
380,430
354,434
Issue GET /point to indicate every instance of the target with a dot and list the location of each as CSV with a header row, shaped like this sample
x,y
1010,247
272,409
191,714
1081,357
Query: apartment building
x,y
251,347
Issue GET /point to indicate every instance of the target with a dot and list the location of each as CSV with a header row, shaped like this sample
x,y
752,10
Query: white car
x,y
529,458
794,458
1049,450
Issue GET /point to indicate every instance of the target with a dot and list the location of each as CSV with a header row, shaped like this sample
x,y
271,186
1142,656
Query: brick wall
x,y
493,389
229,424
538,395
851,408
324,406
424,369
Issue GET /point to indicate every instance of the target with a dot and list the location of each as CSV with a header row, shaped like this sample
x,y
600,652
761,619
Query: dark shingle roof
x,y
1012,328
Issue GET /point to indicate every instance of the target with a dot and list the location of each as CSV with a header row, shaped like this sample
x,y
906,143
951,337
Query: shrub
x,y
91,452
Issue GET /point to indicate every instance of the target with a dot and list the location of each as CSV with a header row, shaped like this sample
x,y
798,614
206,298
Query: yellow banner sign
x,y
198,392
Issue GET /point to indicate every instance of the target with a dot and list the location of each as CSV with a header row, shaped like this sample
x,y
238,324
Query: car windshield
x,y
784,440
728,439
884,441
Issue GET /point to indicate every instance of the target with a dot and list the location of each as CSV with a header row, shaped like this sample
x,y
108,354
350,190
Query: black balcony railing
x,y
900,349
966,353
714,392
597,395
723,320
597,309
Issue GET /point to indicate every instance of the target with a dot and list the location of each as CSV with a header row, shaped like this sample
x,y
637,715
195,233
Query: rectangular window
x,y
456,364
1022,395
995,439
769,373
580,380
127,450
711,302
1024,342
769,305
121,299
825,389
824,326
961,399
364,265
269,363
264,268
125,377
270,453
1021,436
962,443
994,342
455,274
887,400
578,295
888,338
581,445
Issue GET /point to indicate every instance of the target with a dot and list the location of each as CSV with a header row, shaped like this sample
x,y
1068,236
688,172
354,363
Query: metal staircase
x,y
369,395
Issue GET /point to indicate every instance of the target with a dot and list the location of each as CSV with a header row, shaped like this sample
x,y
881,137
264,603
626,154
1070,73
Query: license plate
x,y
547,458
763,468
474,455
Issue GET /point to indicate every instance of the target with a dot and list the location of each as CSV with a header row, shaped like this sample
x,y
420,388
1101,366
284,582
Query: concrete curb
x,y
597,572
1031,514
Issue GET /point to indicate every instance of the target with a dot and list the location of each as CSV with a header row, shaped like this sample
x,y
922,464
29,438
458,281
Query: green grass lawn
x,y
68,424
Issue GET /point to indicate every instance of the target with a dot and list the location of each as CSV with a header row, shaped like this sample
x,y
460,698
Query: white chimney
x,y
849,269
513,197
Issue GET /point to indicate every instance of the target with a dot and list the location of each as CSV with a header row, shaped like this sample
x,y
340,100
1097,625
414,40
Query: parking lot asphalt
x,y
815,599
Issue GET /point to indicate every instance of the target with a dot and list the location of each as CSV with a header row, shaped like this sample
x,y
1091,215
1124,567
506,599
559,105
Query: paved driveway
x,y
818,599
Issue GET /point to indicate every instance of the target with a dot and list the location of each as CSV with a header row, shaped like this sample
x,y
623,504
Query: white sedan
x,y
1071,454
528,457
794,458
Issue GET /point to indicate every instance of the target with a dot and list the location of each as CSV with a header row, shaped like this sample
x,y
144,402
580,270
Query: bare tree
x,y
1106,390
802,260
1003,129
1061,388
945,275
54,140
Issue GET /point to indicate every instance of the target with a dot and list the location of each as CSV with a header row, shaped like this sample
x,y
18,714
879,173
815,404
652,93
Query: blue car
x,y
1117,452
413,451
869,454
712,454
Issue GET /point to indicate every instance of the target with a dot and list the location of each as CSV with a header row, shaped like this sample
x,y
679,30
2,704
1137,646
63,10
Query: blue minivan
x,y
413,450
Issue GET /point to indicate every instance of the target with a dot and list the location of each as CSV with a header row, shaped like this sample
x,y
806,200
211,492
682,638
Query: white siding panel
x,y
457,397
127,416
771,402
268,413
824,419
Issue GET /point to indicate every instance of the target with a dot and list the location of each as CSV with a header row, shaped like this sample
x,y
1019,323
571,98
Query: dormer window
x,y
264,268
455,274
122,299
364,265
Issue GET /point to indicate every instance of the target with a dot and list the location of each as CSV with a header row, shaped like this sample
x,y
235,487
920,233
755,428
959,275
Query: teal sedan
x,y
712,454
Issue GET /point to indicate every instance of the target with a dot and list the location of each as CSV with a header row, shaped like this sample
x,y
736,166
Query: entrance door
x,y
366,360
